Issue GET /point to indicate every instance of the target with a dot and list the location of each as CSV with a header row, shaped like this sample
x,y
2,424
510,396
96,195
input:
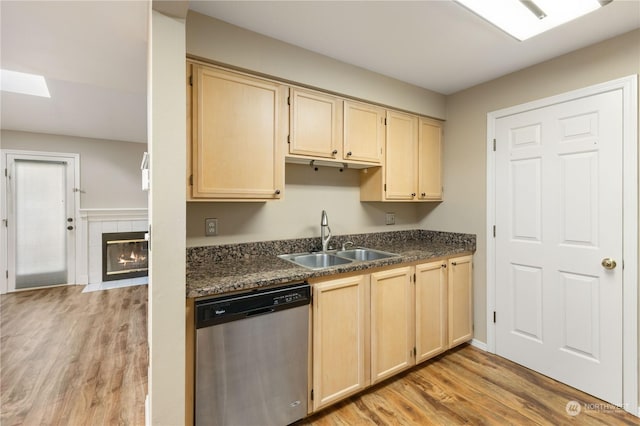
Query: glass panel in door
x,y
40,218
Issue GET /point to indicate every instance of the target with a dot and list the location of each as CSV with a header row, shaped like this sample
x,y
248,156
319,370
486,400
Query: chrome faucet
x,y
325,231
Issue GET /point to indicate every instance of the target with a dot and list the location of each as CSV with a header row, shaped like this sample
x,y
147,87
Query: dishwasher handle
x,y
220,310
260,312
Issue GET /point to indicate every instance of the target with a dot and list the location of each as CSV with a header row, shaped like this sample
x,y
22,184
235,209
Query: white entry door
x,y
558,247
41,220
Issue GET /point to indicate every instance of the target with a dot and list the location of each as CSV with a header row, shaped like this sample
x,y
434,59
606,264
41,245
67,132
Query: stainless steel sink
x,y
341,257
364,254
315,260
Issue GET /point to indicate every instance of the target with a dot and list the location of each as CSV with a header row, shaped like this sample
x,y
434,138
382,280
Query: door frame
x,y
4,235
629,87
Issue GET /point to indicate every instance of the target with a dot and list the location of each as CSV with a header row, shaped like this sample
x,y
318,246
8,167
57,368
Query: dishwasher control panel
x,y
234,307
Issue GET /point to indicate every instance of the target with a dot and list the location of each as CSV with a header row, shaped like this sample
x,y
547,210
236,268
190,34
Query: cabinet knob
x,y
454,263
349,154
277,192
424,194
444,265
334,152
413,194
70,228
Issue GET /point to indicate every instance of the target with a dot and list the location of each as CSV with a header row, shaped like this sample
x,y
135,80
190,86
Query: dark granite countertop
x,y
216,270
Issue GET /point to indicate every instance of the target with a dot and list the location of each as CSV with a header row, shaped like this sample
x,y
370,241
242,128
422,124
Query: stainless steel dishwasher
x,y
252,354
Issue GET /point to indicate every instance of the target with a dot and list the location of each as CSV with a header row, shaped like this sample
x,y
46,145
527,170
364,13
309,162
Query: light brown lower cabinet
x,y
431,310
392,319
460,285
367,328
339,314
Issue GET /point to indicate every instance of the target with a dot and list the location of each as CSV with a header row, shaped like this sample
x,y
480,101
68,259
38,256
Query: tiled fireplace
x,y
124,255
99,222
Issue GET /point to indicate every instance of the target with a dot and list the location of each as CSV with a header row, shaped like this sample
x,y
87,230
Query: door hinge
x,y
494,231
414,278
190,180
288,138
385,121
414,351
312,394
6,273
385,187
6,222
494,317
190,80
494,145
288,100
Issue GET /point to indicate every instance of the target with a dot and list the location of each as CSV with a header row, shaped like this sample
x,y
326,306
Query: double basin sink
x,y
340,257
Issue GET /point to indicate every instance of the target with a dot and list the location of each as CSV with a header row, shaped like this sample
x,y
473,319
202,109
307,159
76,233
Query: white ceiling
x,y
94,53
437,44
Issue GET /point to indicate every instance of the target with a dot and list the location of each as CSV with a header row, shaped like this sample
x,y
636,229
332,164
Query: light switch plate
x,y
390,218
211,227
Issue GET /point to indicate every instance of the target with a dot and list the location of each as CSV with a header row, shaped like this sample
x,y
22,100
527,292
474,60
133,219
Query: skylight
x,y
27,84
524,19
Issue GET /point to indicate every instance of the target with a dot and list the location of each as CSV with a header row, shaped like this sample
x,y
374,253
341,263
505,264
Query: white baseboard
x,y
147,422
478,344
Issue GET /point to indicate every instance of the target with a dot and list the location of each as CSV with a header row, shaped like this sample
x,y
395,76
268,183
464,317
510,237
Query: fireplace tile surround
x,y
96,222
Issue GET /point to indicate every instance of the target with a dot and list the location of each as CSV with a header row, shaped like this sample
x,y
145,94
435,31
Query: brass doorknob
x,y
608,263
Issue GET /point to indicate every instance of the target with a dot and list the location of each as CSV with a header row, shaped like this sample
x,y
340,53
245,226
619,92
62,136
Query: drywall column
x,y
167,149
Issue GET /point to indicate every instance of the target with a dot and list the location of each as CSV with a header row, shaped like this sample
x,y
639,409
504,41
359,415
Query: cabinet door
x,y
316,124
430,160
392,318
363,132
339,312
460,300
431,310
401,160
236,144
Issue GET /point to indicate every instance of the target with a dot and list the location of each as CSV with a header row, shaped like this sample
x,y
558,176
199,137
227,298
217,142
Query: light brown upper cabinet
x,y
412,162
401,165
236,136
363,132
315,124
430,160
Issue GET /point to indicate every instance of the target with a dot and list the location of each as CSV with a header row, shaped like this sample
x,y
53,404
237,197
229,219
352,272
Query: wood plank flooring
x,y
468,386
68,358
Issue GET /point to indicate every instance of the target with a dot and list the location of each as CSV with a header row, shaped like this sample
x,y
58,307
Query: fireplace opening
x,y
124,255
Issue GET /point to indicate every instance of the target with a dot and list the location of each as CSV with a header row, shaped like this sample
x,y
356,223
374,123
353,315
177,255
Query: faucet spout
x,y
325,231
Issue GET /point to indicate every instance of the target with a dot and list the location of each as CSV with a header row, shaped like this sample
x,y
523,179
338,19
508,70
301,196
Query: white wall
x,y
306,194
167,291
109,170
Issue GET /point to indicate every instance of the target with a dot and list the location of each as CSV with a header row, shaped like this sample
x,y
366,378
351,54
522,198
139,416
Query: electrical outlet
x,y
211,227
390,218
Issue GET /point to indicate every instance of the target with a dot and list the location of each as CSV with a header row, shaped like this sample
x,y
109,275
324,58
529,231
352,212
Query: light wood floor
x,y
68,358
468,386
